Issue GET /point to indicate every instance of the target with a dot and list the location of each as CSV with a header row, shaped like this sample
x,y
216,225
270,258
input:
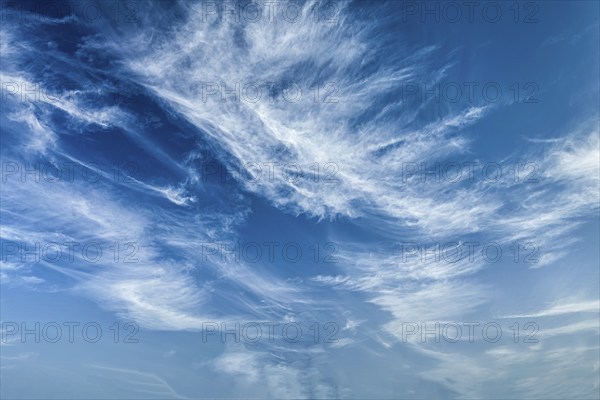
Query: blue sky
x,y
174,170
